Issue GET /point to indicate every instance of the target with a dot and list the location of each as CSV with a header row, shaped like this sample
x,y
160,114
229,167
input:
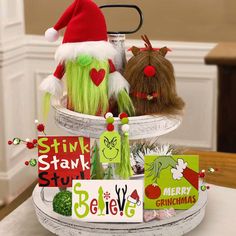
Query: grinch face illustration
x,y
110,150
110,147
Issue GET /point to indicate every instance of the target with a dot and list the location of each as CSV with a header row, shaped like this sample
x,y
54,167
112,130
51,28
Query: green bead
x,y
33,162
16,141
203,188
125,121
62,203
212,170
84,60
110,120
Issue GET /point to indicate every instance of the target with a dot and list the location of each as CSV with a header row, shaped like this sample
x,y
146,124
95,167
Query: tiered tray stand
x,y
140,128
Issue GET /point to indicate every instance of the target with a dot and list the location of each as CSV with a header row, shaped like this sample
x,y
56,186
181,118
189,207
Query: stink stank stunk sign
x,y
62,159
107,200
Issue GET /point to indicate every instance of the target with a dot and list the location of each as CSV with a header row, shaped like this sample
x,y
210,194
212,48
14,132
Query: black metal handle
x,y
126,6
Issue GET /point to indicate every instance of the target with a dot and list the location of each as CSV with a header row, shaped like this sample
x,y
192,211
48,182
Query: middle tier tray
x,y
141,127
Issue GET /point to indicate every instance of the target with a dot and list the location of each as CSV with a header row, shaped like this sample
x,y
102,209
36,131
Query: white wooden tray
x,y
181,224
141,127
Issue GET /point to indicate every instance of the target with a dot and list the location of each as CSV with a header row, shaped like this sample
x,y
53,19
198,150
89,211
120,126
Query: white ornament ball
x,y
108,115
51,35
125,128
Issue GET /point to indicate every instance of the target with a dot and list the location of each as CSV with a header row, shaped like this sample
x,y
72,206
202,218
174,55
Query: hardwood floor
x,y
225,162
17,202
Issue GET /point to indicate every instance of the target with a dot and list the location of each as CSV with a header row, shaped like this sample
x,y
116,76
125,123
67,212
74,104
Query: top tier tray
x,y
141,127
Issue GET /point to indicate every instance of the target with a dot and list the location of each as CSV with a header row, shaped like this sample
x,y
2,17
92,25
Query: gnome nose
x,y
150,71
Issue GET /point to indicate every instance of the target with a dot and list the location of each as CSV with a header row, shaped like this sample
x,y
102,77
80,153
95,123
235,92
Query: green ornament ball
x,y
16,141
203,188
211,170
110,120
62,203
33,162
125,121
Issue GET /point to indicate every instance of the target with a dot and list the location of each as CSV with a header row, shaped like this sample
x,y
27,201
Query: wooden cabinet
x,y
224,56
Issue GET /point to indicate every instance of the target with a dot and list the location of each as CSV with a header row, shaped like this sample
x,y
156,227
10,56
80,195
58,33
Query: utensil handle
x,y
126,6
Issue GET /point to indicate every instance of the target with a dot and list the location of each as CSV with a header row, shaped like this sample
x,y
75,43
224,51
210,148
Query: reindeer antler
x,y
117,190
124,190
147,42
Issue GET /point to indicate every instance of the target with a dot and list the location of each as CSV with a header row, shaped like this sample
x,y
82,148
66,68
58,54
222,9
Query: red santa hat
x,y
83,20
134,198
86,33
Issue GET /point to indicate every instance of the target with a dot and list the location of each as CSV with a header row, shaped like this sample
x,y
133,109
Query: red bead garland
x,y
10,142
29,145
202,175
41,127
110,127
123,115
35,141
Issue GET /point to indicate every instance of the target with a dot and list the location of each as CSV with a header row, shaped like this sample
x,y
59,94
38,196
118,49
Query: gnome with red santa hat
x,y
86,57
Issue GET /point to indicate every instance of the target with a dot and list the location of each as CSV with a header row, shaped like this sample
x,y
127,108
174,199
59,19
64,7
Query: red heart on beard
x,y
97,76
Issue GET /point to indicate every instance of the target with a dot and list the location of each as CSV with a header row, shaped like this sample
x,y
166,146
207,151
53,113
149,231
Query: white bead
x,y
108,115
27,140
36,121
125,128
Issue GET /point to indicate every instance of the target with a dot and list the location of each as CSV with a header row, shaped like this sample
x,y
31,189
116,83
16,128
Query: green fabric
x,y
124,169
46,105
83,95
97,171
125,103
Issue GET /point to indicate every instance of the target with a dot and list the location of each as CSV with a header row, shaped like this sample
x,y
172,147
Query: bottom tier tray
x,y
182,223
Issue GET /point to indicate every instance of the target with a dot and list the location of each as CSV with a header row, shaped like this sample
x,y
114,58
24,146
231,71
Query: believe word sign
x,y
62,159
171,181
107,200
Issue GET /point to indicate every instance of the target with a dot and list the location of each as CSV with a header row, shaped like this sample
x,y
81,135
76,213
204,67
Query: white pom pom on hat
x,y
51,35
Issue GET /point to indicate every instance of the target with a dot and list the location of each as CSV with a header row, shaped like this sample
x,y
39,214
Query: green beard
x,y
83,95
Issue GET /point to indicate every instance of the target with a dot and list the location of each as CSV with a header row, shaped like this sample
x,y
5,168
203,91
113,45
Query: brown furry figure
x,y
152,81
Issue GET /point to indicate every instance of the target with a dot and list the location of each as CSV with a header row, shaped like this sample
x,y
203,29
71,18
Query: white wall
x,y
26,60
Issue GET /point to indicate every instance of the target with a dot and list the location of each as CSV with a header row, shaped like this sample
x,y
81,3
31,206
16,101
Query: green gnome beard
x,y
83,95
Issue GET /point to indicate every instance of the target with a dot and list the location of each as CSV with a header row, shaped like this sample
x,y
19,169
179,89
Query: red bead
x,y
26,163
30,145
10,142
110,127
123,115
35,141
149,71
41,127
208,187
202,175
